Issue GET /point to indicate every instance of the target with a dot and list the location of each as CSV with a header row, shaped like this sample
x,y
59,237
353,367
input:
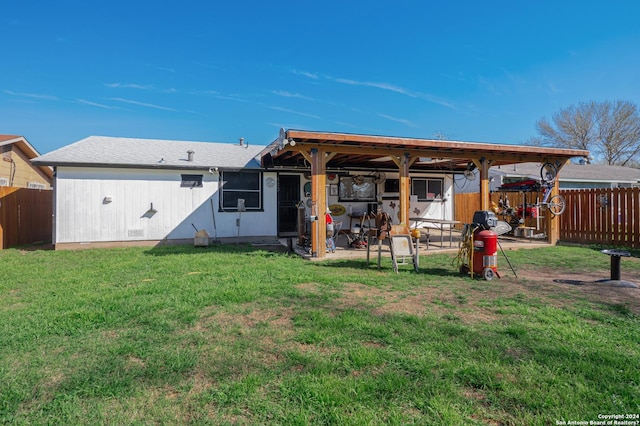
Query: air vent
x,y
135,233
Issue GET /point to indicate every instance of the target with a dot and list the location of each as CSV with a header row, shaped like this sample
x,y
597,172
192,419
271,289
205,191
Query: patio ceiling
x,y
354,151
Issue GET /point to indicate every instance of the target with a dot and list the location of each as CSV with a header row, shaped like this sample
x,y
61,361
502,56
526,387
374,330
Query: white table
x,y
438,224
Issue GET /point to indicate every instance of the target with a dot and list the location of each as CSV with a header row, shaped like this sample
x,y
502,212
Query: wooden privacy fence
x,y
25,216
602,216
468,203
592,216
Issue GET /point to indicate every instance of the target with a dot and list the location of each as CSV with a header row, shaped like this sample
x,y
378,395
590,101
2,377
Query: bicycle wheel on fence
x,y
556,205
548,172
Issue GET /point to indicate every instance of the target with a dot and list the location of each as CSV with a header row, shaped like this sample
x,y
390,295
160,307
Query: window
x,y
357,188
191,181
392,185
241,185
427,189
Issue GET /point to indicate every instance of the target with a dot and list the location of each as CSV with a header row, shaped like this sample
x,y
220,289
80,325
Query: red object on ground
x,y
485,254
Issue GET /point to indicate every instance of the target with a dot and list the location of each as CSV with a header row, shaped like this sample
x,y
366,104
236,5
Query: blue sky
x,y
481,71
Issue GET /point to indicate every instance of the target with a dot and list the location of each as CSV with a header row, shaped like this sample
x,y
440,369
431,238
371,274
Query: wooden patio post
x,y
483,166
405,188
318,203
553,222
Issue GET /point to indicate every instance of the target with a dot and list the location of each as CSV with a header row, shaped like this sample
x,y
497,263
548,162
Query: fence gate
x,y
25,216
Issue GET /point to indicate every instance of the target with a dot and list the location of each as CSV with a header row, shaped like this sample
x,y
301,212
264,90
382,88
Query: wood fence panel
x,y
597,233
583,232
613,224
629,226
629,215
620,220
465,205
582,216
595,230
592,216
635,214
567,225
626,230
594,222
627,234
602,216
25,216
575,213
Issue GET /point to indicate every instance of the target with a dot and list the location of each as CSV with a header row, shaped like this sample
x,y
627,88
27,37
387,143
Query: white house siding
x,y
440,209
83,216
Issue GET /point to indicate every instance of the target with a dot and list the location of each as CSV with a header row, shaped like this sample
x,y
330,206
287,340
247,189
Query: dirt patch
x,y
552,285
249,317
475,303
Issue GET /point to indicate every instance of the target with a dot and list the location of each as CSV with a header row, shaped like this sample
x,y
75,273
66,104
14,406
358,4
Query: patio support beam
x,y
403,163
483,166
318,202
553,222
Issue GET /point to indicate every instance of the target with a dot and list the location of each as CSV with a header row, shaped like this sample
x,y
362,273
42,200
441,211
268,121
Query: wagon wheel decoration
x,y
379,178
603,201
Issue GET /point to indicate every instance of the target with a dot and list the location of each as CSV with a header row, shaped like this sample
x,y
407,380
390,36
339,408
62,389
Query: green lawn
x,y
235,335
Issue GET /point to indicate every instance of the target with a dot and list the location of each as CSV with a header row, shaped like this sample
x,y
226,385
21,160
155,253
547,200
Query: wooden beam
x,y
483,166
405,188
318,203
553,222
386,142
495,156
307,155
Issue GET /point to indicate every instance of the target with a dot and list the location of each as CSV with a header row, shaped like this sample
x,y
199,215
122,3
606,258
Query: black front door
x,y
288,198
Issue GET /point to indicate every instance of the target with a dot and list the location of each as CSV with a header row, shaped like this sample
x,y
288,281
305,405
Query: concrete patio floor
x,y
428,245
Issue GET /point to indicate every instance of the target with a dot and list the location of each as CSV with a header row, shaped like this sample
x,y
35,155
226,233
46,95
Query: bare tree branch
x,y
610,130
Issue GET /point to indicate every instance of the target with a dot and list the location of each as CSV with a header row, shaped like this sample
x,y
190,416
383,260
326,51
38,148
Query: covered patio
x,y
428,244
300,150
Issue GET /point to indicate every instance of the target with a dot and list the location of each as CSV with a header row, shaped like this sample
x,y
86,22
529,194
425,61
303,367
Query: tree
x,y
609,130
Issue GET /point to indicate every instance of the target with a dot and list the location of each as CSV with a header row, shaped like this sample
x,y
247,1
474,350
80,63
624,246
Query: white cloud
x,y
304,114
129,101
383,86
85,102
398,120
310,75
31,95
286,94
396,89
129,86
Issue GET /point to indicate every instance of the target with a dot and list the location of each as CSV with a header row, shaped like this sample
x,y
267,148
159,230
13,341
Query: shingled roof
x,y
577,172
101,151
27,149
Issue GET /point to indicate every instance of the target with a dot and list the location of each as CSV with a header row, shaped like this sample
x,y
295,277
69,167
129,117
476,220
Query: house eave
x,y
141,166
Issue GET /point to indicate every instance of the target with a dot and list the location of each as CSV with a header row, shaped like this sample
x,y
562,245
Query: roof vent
x,y
241,141
190,155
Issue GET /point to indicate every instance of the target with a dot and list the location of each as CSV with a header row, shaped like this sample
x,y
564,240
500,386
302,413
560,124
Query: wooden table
x,y
439,223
